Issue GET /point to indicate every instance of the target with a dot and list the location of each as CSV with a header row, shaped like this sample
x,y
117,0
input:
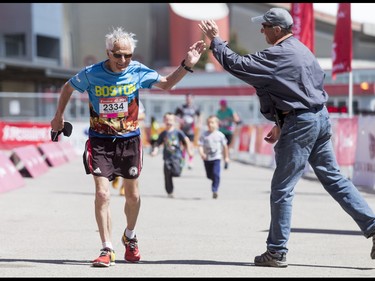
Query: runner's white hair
x,y
118,34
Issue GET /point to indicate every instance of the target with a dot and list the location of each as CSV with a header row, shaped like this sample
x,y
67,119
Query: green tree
x,y
233,44
201,64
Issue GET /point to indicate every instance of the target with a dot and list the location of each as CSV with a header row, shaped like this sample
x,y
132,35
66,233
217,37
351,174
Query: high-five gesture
x,y
194,53
209,28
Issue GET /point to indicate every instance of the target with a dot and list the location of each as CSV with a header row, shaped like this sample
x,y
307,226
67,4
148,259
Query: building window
x,y
15,45
47,47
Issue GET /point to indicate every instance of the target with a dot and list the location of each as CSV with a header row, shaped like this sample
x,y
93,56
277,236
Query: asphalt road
x,y
48,227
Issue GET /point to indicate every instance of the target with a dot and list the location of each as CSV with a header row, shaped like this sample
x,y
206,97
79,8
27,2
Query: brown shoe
x,y
271,259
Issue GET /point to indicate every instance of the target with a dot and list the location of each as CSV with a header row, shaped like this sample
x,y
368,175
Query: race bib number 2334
x,y
113,107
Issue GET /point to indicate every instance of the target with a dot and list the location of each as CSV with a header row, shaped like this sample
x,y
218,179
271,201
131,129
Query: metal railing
x,y
41,107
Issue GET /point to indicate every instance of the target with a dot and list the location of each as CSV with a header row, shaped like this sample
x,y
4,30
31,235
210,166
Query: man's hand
x,y
273,135
209,28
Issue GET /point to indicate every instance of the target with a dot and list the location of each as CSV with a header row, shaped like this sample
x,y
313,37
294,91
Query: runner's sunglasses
x,y
119,56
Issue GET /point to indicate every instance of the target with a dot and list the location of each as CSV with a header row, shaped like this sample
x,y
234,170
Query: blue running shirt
x,y
114,97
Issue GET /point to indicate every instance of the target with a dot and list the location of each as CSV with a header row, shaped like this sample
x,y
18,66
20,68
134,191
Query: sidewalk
x,y
48,227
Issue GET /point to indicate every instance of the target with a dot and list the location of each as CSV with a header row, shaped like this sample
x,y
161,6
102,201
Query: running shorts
x,y
110,158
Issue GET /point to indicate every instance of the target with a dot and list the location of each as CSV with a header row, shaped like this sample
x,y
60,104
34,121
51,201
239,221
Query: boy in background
x,y
174,142
212,147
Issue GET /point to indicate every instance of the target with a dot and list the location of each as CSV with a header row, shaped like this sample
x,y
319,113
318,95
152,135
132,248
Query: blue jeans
x,y
213,173
306,136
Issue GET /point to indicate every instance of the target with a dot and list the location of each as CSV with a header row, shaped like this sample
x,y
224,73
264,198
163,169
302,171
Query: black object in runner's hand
x,y
67,131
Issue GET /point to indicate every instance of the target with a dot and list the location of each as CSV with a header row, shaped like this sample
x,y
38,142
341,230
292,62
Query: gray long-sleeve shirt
x,y
286,76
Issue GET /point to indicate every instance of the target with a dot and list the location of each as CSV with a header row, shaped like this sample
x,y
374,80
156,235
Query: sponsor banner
x,y
245,144
303,23
264,154
31,161
52,153
16,134
342,47
364,164
244,139
10,178
68,150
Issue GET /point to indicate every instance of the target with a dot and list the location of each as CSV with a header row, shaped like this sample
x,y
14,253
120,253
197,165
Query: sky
x,y
360,12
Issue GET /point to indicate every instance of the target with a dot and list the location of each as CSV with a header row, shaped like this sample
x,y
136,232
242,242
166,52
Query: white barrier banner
x,y
79,136
364,165
345,140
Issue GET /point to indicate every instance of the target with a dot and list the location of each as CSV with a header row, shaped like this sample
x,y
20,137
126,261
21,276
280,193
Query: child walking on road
x,y
212,147
174,141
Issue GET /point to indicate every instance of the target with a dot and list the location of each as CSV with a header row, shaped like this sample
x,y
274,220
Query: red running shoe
x,y
107,257
131,249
